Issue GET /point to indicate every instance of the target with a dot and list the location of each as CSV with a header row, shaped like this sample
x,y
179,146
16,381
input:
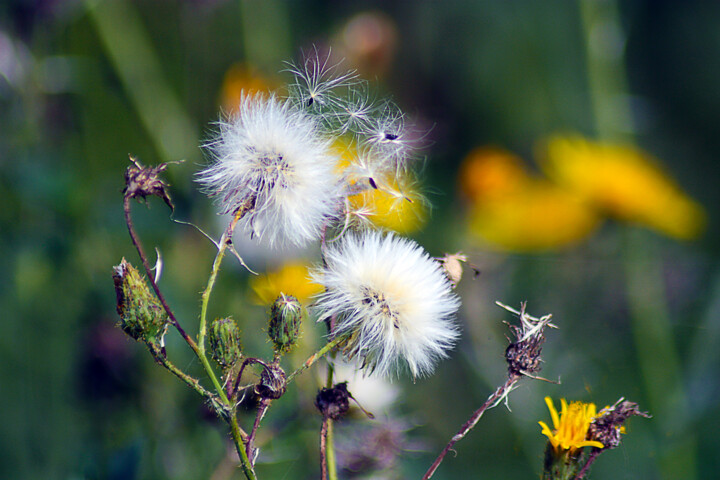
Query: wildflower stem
x,y
193,383
225,241
238,438
593,455
146,265
492,401
315,357
262,409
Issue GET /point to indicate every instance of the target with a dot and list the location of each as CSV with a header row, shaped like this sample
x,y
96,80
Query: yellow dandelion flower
x,y
291,279
623,181
512,210
571,427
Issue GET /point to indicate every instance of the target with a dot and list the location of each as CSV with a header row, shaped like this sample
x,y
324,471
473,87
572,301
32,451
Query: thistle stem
x,y
146,265
190,381
262,409
315,357
593,455
492,401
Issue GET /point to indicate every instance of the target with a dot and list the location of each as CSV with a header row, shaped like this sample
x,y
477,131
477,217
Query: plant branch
x,y
492,401
315,357
146,265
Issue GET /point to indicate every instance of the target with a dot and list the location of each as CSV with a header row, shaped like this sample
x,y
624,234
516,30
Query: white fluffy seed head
x,y
275,153
391,301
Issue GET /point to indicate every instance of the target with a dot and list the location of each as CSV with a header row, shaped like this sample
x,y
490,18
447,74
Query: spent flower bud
x,y
286,315
224,337
273,382
333,402
142,316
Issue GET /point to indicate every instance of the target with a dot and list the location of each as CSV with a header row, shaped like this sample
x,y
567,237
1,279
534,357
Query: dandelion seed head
x,y
277,155
391,301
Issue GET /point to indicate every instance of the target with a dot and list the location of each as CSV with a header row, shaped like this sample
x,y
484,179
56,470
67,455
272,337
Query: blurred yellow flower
x,y
291,279
622,181
242,80
512,210
394,202
390,206
571,427
489,172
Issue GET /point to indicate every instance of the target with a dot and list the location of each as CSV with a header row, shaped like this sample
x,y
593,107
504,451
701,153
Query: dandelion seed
x,y
277,155
316,81
391,301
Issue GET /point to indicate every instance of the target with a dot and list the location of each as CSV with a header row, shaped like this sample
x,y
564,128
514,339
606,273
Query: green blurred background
x,y
82,84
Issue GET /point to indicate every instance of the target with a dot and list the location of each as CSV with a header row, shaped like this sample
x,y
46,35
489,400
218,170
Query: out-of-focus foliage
x,y
84,83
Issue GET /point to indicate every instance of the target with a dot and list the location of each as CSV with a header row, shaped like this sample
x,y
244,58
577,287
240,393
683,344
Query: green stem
x,y
238,438
190,381
330,462
315,357
330,451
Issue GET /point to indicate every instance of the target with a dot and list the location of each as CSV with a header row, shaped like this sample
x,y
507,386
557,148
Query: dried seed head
x,y
607,426
286,315
224,337
523,354
141,182
142,316
333,402
273,382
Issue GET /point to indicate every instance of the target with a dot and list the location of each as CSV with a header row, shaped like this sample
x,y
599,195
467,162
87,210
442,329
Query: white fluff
x,y
278,154
391,301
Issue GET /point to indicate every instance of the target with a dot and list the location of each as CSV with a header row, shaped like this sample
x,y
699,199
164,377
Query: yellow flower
x,y
394,202
390,206
571,427
489,172
625,182
291,279
514,211
242,80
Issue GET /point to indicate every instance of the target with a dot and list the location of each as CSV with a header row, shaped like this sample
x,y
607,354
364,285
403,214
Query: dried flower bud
x,y
224,337
141,314
333,402
607,426
286,315
273,382
145,181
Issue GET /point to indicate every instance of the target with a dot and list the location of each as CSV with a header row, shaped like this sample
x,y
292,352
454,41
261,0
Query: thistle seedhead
x,y
224,337
333,402
273,382
607,426
141,182
523,354
286,315
142,316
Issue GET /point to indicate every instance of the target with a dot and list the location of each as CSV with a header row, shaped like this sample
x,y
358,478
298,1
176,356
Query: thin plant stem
x,y
225,241
328,455
593,455
323,448
262,409
190,381
315,357
146,265
238,438
330,451
492,401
